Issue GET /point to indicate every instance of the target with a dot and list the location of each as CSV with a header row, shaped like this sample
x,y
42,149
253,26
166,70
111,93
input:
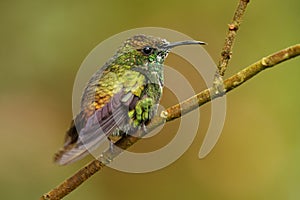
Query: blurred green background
x,y
42,46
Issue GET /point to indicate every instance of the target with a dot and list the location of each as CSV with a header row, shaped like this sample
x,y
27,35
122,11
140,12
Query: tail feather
x,y
70,142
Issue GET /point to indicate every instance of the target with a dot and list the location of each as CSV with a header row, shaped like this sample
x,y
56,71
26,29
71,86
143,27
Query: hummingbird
x,y
121,97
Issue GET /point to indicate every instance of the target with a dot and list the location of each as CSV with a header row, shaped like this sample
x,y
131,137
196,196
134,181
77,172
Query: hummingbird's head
x,y
145,50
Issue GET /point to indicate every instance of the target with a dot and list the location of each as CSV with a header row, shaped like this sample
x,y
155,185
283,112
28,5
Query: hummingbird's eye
x,y
147,50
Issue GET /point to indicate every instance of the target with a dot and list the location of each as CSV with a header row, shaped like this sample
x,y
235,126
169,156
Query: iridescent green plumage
x,y
121,97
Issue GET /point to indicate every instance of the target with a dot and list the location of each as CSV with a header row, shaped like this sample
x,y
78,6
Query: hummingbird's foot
x,y
144,128
111,146
142,112
107,156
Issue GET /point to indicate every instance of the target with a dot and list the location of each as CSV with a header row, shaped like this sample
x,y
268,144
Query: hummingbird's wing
x,y
92,126
98,126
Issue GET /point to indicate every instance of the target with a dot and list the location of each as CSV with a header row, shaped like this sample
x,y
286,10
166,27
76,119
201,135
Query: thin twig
x,y
175,112
229,40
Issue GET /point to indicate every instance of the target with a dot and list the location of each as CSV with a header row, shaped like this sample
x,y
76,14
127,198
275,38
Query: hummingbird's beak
x,y
180,43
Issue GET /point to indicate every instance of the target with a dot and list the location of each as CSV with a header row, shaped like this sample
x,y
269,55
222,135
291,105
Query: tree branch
x,y
228,45
229,40
175,112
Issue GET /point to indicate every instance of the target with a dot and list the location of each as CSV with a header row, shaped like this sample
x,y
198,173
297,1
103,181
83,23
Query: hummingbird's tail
x,y
70,142
66,154
86,137
71,151
69,154
58,157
